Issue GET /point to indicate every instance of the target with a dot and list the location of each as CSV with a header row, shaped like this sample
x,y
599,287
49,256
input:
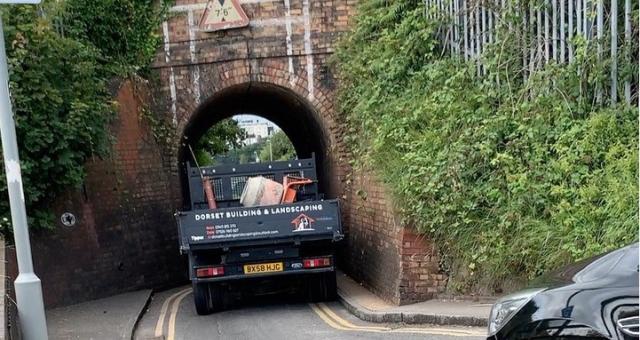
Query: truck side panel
x,y
226,227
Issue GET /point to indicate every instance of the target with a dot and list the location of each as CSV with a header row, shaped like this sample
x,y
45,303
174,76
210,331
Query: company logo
x,y
302,223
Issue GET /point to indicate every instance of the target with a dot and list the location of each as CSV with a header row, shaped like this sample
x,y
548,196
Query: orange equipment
x,y
291,185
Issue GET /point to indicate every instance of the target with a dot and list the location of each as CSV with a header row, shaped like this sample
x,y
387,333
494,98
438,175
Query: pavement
x,y
368,307
111,318
359,314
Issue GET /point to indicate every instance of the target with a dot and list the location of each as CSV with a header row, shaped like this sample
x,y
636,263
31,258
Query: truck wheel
x,y
330,286
322,287
217,297
202,298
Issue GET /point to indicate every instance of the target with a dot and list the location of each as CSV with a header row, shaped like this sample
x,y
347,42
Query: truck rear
x,y
228,243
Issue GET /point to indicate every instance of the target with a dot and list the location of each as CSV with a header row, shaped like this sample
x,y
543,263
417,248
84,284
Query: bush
x,y
510,177
124,31
277,147
61,55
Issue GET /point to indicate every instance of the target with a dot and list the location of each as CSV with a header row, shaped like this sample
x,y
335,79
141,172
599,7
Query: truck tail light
x,y
317,262
209,271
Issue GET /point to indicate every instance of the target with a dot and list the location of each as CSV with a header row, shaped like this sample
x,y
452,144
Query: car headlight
x,y
506,307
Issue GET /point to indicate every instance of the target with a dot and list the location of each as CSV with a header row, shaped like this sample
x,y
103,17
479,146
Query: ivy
x,y
59,72
125,31
510,176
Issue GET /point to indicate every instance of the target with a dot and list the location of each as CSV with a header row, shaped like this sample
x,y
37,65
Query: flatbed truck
x,y
231,243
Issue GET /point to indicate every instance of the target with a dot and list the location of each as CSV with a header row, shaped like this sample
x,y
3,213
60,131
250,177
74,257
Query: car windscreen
x,y
630,260
625,259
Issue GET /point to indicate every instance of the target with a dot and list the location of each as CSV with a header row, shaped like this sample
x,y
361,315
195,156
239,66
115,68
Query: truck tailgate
x,y
300,221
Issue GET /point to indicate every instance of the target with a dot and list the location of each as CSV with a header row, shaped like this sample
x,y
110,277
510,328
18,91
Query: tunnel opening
x,y
293,114
243,139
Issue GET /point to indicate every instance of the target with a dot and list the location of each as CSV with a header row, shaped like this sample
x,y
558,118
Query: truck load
x,y
256,221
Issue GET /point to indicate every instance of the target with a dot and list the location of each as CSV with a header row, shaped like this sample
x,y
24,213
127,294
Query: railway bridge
x,y
275,64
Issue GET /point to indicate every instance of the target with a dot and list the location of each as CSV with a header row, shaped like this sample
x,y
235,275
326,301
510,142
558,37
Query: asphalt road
x,y
171,315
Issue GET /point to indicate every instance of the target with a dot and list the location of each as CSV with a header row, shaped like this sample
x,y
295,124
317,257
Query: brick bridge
x,y
277,68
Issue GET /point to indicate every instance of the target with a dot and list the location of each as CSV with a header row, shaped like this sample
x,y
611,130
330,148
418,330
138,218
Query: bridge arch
x,y
300,120
266,88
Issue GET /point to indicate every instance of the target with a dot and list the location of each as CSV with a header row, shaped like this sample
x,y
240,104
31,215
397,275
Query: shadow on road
x,y
267,292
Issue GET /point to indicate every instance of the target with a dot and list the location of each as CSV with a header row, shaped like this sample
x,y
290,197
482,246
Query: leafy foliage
x,y
125,31
58,80
281,149
511,177
219,139
278,148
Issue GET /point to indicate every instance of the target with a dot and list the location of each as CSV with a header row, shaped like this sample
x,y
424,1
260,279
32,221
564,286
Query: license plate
x,y
263,268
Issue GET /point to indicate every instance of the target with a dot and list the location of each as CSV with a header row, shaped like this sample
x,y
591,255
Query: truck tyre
x,y
322,287
331,286
202,298
216,292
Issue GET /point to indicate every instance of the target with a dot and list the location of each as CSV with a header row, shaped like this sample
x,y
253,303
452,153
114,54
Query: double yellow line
x,y
171,305
337,322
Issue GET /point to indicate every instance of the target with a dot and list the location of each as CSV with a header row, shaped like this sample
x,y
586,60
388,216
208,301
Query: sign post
x,y
27,285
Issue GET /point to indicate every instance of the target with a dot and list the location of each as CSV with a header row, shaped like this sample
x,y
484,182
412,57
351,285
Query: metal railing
x,y
554,27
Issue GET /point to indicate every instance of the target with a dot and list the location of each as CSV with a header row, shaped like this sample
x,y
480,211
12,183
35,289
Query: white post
x,y
562,35
532,48
586,9
27,285
465,29
426,9
546,33
627,36
451,28
613,18
456,25
540,37
554,24
525,51
578,16
570,34
485,33
491,13
478,38
600,35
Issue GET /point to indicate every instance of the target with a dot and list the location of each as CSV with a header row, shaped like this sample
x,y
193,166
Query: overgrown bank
x,y
510,177
62,55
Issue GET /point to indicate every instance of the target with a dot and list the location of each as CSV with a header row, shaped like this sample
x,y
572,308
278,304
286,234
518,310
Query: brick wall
x,y
125,238
372,242
392,260
420,275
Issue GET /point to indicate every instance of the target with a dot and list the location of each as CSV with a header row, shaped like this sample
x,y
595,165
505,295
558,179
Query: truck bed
x,y
240,226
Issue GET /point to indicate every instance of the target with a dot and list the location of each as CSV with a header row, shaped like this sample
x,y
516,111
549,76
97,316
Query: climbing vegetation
x,y
510,176
62,56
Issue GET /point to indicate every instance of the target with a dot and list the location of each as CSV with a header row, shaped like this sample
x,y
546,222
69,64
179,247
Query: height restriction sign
x,y
222,15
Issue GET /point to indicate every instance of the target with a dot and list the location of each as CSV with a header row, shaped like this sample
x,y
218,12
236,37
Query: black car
x,y
592,299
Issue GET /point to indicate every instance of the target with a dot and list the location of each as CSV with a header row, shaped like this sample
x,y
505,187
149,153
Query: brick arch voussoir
x,y
322,104
277,74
